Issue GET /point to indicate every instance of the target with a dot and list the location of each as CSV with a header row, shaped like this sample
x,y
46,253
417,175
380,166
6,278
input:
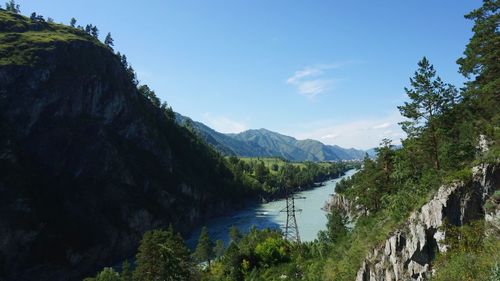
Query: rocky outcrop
x,y
340,202
408,253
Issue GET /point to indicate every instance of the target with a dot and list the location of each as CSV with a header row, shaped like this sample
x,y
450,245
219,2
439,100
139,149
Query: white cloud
x,y
382,126
306,72
311,81
329,136
224,124
312,88
362,133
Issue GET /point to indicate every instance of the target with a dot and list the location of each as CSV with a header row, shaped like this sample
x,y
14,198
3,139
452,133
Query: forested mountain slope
x,y
265,143
87,163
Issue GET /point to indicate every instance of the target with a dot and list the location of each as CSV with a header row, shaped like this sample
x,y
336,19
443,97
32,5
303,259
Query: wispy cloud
x,y
382,126
313,80
361,133
224,124
311,88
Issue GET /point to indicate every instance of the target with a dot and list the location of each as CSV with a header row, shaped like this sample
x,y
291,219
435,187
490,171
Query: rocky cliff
x,y
87,164
408,253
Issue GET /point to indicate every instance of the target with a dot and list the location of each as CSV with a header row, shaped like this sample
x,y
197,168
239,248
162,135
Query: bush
x,y
272,251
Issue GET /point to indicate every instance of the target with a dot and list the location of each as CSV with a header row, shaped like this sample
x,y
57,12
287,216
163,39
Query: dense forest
x,y
449,130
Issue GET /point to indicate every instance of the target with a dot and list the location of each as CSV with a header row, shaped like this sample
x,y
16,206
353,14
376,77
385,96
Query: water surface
x,y
310,220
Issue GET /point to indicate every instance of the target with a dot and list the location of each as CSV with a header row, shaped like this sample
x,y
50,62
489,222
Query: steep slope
x,y
87,164
409,252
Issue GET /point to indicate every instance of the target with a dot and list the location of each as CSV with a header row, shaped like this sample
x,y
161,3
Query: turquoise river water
x,y
310,220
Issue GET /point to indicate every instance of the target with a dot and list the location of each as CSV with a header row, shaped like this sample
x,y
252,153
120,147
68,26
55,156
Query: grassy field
x,y
275,163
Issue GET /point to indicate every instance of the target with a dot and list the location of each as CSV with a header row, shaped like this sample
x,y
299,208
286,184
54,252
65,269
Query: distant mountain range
x,y
265,143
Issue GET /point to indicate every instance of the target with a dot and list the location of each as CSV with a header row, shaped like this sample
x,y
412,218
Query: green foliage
x,y
234,234
219,249
126,273
269,176
12,7
336,225
24,41
429,97
108,41
107,274
162,255
480,63
204,249
471,256
272,251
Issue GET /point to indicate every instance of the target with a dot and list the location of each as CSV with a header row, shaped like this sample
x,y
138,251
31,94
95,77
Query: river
x,y
310,220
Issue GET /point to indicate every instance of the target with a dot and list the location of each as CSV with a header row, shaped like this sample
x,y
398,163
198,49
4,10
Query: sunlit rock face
x,y
408,253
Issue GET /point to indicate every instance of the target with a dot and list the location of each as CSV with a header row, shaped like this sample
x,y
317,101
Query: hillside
x,y
87,163
222,142
265,143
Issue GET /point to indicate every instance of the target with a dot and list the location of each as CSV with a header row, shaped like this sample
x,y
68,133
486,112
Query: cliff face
x,y
408,253
87,164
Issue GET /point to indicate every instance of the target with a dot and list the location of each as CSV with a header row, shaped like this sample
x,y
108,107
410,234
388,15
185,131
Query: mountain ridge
x,y
266,143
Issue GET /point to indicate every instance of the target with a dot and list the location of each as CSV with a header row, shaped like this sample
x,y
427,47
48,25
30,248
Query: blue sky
x,y
327,70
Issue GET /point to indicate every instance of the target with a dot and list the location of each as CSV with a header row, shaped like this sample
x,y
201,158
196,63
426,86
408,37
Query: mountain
x,y
265,143
87,163
222,142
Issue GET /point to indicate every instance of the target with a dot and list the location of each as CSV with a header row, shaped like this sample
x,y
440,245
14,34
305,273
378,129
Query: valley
x,y
102,180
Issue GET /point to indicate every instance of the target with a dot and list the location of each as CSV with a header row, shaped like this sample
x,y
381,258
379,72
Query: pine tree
x,y
11,6
234,234
480,62
429,98
219,249
162,256
72,22
126,273
123,60
94,32
108,41
204,248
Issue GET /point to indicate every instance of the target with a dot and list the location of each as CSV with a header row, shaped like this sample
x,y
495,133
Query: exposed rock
x,y
408,253
340,202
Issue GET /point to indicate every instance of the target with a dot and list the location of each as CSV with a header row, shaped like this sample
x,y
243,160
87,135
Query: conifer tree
x,y
94,32
219,248
234,234
480,62
204,248
11,6
429,98
108,41
162,256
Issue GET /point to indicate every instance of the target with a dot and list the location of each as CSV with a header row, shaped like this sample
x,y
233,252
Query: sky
x,y
333,71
